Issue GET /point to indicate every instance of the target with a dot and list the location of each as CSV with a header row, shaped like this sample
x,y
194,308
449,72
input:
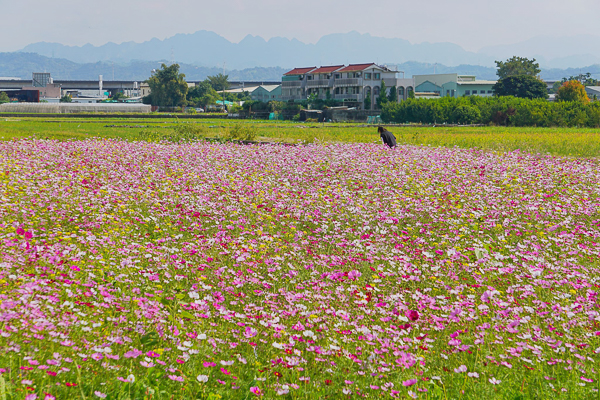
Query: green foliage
x,y
312,99
382,99
168,87
277,105
368,102
523,86
393,96
243,132
572,91
219,82
509,111
202,95
66,99
585,79
4,98
465,114
411,94
118,96
517,66
182,132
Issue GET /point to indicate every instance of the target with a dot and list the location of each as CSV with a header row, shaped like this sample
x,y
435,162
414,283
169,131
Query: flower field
x,y
135,270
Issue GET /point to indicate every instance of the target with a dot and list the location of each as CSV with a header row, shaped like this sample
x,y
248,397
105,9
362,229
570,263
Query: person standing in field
x,y
388,138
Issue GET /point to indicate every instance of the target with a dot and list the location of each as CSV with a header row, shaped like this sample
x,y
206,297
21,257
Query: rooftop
x,y
357,67
477,83
300,71
324,70
269,88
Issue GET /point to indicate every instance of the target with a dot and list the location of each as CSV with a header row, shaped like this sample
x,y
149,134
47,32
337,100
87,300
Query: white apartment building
x,y
350,84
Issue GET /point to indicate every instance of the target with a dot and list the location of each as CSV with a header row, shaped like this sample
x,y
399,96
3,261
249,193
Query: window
x,y
482,91
377,75
490,92
310,77
349,75
367,75
447,92
467,92
337,76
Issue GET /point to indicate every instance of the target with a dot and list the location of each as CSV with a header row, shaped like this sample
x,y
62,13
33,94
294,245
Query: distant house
x,y
453,85
264,93
349,85
593,90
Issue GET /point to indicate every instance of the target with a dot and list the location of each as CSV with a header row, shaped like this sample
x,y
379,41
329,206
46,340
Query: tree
x,y
586,79
393,96
572,91
382,99
368,101
118,96
202,95
411,94
312,99
168,87
517,66
4,98
523,86
219,82
66,99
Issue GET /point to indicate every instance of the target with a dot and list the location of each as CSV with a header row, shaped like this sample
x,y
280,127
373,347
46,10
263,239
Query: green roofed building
x,y
452,85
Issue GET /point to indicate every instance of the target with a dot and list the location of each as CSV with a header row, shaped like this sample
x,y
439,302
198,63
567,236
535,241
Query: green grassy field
x,y
556,141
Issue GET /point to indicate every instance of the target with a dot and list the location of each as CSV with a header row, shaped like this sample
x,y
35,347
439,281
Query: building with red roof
x,y
299,71
355,85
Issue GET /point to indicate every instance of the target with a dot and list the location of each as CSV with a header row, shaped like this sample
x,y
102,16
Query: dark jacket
x,y
388,138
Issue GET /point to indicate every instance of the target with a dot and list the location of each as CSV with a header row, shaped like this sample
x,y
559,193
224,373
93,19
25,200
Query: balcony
x,y
317,83
288,98
347,82
291,84
348,97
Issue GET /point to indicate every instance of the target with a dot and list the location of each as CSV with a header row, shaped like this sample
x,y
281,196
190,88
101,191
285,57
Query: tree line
x,y
168,88
520,99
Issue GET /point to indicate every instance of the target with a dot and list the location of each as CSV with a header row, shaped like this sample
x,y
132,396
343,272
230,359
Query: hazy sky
x,y
469,23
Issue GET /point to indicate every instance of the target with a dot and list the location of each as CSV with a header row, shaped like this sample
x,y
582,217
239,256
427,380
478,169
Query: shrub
x,y
506,110
466,115
240,132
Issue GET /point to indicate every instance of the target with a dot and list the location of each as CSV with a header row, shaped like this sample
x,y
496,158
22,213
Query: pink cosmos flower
x,y
409,382
462,368
412,315
250,332
495,381
176,378
256,390
100,394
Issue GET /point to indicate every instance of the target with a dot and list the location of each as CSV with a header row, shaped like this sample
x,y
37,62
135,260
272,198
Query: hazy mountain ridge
x,y
205,48
21,65
208,49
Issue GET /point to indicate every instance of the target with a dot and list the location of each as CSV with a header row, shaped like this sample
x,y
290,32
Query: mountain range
x,y
208,49
21,65
206,53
